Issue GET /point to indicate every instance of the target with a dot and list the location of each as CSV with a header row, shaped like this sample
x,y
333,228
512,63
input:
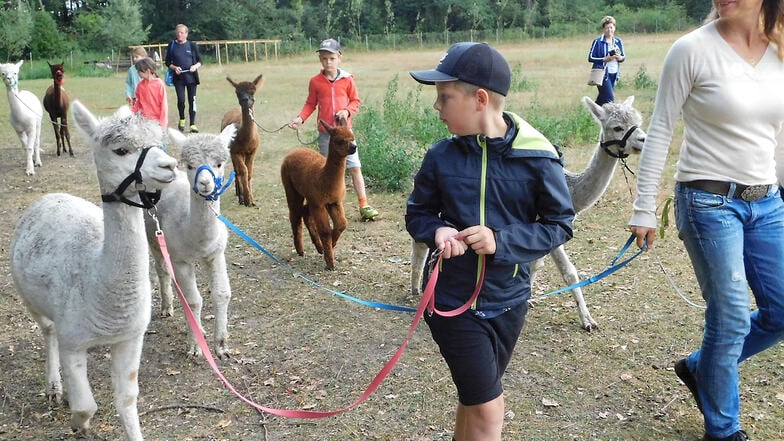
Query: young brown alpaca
x,y
315,190
56,104
243,147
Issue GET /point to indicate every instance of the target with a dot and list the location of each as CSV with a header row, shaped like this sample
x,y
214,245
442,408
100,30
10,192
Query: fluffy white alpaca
x,y
621,134
26,115
83,271
193,232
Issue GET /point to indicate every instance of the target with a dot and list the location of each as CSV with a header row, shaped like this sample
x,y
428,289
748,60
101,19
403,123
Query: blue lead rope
x,y
611,269
310,281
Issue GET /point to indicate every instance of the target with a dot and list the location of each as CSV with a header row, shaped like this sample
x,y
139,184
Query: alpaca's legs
x,y
37,144
54,384
57,135
320,220
249,157
339,221
418,257
312,230
80,397
186,277
220,293
164,283
570,276
297,210
27,143
65,134
126,357
240,178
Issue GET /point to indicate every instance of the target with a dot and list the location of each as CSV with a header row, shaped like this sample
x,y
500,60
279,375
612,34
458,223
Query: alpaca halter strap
x,y
621,142
219,186
149,199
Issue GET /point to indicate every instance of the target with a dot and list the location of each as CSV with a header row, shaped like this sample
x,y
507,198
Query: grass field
x,y
297,346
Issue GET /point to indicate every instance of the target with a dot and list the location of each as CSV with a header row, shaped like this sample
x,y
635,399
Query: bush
x,y
394,140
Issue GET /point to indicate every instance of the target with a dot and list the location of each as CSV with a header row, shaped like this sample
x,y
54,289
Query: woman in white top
x,y
606,53
726,80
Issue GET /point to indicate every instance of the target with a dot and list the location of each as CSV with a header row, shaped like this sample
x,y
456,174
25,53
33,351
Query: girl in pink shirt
x,y
151,100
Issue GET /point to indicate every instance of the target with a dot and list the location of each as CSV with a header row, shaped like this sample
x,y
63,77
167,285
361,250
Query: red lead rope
x,y
426,303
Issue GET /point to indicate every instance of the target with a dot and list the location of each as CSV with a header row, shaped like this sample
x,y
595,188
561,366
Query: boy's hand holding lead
x,y
449,242
480,238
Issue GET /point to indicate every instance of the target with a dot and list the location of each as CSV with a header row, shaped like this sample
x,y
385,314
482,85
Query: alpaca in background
x,y
56,104
26,115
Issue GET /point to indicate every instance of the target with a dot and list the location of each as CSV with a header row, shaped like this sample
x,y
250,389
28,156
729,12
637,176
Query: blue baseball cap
x,y
329,45
474,63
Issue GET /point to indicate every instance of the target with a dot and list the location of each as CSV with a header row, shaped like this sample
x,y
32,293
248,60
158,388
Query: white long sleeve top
x,y
732,116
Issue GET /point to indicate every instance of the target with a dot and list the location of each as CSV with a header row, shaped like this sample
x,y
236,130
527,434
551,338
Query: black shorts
x,y
477,351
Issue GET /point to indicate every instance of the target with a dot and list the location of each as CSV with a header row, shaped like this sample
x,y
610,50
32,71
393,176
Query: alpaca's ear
x,y
258,81
231,82
326,125
227,135
123,112
595,109
629,101
177,136
19,64
84,119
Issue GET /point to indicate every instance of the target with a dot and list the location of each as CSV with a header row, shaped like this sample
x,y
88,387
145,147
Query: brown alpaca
x,y
56,104
243,147
315,189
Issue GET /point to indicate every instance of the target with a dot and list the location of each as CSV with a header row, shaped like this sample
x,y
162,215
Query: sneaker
x,y
194,129
367,212
181,125
737,436
683,372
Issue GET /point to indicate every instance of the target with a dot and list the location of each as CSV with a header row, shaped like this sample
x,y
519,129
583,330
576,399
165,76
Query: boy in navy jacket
x,y
493,194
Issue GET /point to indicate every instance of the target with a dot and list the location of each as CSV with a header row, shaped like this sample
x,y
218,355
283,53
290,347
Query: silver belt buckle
x,y
754,192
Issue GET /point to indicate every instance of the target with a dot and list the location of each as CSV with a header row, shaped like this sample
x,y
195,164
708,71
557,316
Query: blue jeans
x,y
734,245
606,90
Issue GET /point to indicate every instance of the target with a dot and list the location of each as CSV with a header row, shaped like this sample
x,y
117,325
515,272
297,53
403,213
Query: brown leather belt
x,y
748,193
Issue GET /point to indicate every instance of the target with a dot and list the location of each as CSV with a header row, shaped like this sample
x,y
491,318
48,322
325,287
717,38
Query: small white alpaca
x,y
194,234
621,134
82,271
26,115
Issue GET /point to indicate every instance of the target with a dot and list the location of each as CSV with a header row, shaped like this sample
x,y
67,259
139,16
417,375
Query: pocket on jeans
x,y
701,200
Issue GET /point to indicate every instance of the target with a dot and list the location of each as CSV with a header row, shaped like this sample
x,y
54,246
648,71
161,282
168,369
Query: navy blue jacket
x,y
514,185
600,49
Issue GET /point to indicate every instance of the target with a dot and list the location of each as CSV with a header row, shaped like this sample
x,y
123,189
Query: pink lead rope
x,y
426,303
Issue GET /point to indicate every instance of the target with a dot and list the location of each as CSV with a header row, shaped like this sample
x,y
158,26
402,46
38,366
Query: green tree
x,y
16,30
116,25
47,40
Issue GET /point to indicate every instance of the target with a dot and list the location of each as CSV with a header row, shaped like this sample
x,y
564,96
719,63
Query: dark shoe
x,y
737,436
683,372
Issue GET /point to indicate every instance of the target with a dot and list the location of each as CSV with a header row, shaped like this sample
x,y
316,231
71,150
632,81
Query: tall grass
x,y
394,138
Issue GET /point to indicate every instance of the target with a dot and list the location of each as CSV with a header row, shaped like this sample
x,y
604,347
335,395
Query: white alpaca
x,y
193,232
26,115
620,134
83,271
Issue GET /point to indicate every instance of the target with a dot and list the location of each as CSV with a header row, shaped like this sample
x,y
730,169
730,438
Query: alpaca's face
x,y
10,74
204,158
58,72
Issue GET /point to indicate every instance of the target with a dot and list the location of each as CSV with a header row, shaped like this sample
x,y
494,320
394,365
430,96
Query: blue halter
x,y
218,182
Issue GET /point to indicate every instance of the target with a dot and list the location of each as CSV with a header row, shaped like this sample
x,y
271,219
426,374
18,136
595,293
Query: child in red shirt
x,y
151,100
334,92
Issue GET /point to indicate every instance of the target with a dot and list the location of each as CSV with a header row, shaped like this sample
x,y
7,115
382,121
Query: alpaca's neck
x,y
56,91
201,217
588,186
248,125
334,169
123,257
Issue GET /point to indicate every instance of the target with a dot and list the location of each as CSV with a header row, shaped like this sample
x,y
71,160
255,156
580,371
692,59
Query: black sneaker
x,y
683,372
737,436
